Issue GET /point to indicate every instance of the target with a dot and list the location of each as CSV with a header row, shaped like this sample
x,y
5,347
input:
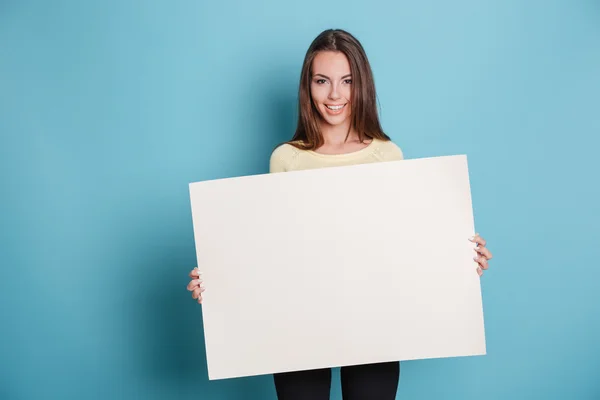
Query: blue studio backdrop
x,y
109,109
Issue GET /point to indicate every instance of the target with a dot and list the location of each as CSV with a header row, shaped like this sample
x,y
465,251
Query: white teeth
x,y
335,108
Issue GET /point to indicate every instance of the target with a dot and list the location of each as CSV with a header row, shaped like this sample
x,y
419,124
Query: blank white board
x,y
338,266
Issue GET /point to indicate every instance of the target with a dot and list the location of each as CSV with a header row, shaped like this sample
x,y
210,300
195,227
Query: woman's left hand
x,y
483,254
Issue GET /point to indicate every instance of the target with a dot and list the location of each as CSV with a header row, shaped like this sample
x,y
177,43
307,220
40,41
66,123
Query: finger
x,y
194,284
194,274
482,262
478,239
197,293
479,271
484,251
199,299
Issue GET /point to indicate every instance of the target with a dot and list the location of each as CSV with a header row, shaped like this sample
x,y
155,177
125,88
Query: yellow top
x,y
289,158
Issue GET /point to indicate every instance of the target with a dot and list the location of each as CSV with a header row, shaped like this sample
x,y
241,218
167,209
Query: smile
x,y
335,108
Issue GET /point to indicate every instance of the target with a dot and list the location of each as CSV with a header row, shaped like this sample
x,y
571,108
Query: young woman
x,y
338,125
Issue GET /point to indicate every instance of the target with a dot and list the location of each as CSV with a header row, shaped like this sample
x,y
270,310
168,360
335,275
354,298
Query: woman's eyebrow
x,y
326,77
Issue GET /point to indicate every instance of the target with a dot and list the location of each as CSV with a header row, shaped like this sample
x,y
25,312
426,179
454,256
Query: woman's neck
x,y
335,141
336,135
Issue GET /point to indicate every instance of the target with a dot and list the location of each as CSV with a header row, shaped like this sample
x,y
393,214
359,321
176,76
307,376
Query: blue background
x,y
109,109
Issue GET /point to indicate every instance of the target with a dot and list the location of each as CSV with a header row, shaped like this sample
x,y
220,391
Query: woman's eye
x,y
320,81
348,81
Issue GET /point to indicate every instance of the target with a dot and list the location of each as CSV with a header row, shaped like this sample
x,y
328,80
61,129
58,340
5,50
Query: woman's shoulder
x,y
388,150
282,156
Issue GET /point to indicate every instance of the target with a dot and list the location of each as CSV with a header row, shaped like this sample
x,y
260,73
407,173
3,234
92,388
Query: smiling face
x,y
331,87
336,94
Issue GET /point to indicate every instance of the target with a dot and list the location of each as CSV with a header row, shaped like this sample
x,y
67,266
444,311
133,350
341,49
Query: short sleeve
x,y
277,162
393,152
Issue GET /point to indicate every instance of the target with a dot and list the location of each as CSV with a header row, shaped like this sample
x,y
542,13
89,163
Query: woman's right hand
x,y
195,286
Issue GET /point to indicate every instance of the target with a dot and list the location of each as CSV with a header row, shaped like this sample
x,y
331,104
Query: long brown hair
x,y
364,116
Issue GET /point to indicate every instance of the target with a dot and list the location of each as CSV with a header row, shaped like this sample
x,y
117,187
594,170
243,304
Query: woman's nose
x,y
333,93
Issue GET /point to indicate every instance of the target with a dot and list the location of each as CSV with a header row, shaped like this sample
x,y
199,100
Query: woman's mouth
x,y
334,108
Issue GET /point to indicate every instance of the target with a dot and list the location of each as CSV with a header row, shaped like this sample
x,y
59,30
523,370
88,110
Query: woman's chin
x,y
336,120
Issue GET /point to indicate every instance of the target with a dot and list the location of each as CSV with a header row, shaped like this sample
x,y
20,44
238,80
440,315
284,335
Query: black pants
x,y
360,382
